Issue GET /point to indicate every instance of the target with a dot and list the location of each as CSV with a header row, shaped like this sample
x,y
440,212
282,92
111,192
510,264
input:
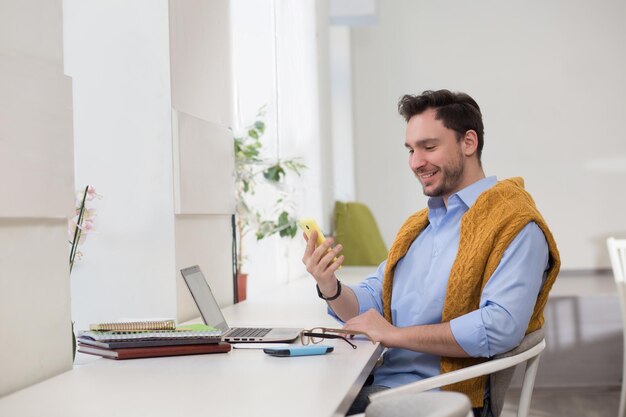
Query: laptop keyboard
x,y
248,332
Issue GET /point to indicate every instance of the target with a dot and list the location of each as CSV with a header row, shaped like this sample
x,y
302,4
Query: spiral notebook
x,y
149,335
129,326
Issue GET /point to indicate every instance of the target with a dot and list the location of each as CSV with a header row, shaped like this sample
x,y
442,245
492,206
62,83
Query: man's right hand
x,y
319,263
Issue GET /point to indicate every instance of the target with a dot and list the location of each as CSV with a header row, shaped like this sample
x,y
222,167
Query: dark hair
x,y
457,111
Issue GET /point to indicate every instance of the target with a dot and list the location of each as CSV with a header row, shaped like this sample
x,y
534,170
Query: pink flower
x,y
91,193
87,226
80,226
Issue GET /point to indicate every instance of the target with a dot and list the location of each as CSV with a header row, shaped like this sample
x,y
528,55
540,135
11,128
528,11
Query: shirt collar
x,y
468,195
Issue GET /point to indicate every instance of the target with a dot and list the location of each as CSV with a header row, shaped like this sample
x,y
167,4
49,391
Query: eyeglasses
x,y
317,334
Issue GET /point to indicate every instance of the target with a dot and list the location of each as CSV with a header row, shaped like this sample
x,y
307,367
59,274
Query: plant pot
x,y
242,286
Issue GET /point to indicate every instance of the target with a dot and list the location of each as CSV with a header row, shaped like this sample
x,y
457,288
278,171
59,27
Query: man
x,y
465,278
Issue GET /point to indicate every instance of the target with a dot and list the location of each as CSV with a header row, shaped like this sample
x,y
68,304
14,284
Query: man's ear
x,y
470,143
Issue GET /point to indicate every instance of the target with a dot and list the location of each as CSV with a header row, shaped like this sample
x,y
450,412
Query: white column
x,y
36,194
117,53
202,103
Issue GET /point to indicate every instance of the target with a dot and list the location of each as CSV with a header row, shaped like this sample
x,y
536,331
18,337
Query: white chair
x,y
500,370
617,253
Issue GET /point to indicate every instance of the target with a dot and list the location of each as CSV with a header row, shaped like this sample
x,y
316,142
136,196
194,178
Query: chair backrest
x,y
499,381
617,253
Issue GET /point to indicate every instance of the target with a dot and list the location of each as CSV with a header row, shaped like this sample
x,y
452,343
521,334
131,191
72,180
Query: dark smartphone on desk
x,y
300,350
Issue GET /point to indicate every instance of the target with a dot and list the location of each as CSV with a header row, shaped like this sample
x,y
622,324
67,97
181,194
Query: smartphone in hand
x,y
310,225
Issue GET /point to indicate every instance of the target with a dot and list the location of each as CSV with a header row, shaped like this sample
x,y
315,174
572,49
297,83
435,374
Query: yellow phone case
x,y
308,226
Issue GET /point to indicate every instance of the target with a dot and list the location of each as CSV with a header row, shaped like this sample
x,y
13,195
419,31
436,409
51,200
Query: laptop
x,y
212,314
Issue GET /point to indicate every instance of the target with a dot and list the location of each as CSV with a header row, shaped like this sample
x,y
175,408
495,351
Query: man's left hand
x,y
375,325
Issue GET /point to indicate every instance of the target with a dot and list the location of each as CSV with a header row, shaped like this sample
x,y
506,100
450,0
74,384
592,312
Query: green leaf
x,y
286,225
260,126
274,173
294,165
253,134
265,229
289,231
283,219
250,153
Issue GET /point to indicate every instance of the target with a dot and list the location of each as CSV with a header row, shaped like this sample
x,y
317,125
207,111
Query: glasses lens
x,y
318,331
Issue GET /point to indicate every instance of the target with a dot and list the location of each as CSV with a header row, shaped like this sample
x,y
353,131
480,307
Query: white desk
x,y
239,383
232,384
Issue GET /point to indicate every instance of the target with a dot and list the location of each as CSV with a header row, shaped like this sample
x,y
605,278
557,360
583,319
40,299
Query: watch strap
x,y
334,297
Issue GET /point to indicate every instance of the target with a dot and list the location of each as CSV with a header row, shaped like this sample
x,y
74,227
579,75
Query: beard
x,y
451,178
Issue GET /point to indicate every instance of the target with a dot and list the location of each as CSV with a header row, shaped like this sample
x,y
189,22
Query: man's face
x,y
435,155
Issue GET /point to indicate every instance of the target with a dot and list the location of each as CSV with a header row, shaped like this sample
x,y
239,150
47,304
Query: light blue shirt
x,y
421,278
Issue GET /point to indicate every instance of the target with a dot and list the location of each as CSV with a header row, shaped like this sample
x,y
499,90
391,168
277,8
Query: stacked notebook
x,y
149,339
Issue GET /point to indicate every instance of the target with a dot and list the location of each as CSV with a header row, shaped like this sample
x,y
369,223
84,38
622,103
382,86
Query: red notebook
x,y
154,351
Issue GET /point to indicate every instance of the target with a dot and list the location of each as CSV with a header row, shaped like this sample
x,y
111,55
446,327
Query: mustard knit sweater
x,y
487,229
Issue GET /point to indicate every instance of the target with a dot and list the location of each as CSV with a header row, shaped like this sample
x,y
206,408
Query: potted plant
x,y
254,173
78,227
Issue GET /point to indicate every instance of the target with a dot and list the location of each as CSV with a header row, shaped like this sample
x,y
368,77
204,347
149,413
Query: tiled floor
x,y
567,402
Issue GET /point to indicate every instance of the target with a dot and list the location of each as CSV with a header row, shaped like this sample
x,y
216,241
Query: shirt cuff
x,y
366,300
469,332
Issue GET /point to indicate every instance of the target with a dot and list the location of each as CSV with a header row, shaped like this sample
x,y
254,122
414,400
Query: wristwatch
x,y
337,294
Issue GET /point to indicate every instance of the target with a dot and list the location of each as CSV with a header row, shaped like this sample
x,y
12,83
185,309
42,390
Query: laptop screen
x,y
202,295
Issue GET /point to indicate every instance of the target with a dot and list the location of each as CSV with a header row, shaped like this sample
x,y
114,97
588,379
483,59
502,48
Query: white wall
x,y
36,194
118,55
549,77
